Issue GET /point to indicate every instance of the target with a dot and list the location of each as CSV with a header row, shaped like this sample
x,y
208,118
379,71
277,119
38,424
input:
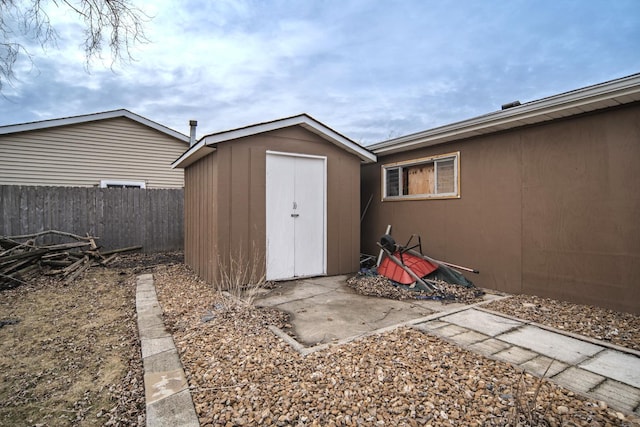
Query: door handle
x,y
295,215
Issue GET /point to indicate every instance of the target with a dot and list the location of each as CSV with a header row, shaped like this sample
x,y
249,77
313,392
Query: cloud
x,y
367,69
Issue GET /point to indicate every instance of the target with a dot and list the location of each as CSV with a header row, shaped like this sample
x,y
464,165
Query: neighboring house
x,y
84,174
110,149
282,195
543,198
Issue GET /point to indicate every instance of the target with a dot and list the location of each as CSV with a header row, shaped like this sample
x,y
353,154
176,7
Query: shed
x,y
283,196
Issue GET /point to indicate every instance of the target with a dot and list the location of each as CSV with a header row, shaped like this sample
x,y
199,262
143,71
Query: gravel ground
x,y
380,286
241,374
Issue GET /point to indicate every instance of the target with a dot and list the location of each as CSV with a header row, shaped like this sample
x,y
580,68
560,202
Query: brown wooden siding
x,y
550,210
201,217
83,154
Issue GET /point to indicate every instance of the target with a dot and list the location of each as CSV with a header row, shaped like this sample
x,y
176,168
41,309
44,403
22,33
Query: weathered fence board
x,y
120,217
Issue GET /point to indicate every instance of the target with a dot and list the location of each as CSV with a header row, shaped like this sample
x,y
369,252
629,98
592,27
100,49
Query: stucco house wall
x,y
548,209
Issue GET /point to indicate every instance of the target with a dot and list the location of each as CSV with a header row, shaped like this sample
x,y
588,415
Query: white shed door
x,y
296,209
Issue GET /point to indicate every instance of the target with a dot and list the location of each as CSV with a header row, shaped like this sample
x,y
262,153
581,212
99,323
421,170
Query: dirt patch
x,y
71,355
141,262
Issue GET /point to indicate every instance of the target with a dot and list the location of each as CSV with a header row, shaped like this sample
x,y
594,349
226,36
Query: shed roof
x,y
603,95
65,121
207,144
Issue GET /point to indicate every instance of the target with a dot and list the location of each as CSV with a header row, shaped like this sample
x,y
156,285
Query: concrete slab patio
x,y
325,309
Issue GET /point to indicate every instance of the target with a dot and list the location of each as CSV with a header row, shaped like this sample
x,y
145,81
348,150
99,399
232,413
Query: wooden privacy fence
x,y
120,217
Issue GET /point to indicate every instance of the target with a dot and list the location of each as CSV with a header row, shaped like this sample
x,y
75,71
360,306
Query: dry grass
x,y
525,410
66,359
241,275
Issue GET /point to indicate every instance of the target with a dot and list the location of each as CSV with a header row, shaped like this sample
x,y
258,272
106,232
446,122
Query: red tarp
x,y
421,267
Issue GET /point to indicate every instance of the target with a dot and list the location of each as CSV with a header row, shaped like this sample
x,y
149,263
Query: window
x,y
122,184
427,178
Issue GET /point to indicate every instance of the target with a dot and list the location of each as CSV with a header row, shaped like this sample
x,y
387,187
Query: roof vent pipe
x,y
192,134
510,105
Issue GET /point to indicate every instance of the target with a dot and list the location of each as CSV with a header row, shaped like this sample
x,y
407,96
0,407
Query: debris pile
x,y
368,282
405,272
22,258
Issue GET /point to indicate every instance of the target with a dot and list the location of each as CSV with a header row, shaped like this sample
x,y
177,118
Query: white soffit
x,y
603,95
46,124
207,144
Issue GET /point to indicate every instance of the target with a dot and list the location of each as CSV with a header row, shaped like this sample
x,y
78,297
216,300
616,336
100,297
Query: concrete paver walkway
x,y
583,365
165,385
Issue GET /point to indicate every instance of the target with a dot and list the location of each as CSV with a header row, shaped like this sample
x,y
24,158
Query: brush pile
x,y
61,254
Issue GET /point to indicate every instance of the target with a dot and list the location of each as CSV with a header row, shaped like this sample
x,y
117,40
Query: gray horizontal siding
x,y
83,154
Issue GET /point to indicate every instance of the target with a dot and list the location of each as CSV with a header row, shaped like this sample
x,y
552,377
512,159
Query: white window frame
x,y
455,156
105,183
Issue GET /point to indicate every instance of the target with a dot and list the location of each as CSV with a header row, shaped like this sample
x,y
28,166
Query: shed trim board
x,y
296,237
207,143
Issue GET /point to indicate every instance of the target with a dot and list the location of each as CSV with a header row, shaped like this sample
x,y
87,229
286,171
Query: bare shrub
x,y
526,411
240,277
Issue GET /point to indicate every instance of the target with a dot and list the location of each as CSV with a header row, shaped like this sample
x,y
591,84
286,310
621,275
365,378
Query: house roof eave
x,y
591,98
65,121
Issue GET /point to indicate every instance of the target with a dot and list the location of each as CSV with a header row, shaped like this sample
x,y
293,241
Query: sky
x,y
371,70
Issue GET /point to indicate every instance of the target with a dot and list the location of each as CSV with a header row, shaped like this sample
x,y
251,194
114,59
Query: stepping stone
x,y
618,395
551,344
479,321
616,365
543,366
515,355
489,347
578,379
428,326
449,331
174,410
469,337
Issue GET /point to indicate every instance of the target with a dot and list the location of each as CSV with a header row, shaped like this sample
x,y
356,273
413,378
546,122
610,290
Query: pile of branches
x,y
22,258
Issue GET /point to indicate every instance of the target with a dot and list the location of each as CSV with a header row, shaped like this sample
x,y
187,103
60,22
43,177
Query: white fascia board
x,y
302,120
365,155
196,152
46,124
575,102
156,126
